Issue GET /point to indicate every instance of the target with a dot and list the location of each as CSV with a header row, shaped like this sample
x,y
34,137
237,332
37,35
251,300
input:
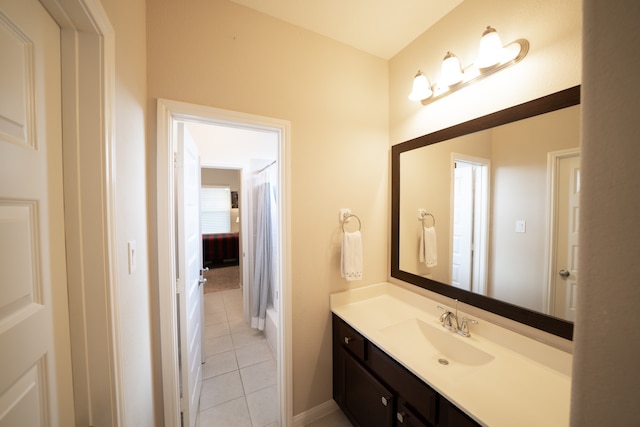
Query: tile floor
x,y
239,386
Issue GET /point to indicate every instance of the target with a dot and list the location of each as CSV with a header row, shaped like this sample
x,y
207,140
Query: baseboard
x,y
315,413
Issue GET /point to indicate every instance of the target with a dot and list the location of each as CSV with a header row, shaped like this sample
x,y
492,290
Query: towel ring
x,y
433,218
347,219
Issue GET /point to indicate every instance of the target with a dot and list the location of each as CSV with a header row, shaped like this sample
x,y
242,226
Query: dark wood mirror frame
x,y
556,101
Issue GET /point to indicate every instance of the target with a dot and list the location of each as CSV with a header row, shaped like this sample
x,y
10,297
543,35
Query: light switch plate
x,y
131,247
521,226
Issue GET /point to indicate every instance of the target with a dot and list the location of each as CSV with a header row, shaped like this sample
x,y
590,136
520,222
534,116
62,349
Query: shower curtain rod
x,y
270,164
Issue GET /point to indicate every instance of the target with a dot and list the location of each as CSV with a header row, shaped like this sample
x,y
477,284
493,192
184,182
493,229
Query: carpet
x,y
222,279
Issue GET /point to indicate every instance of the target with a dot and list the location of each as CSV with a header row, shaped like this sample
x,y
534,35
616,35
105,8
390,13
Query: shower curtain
x,y
264,283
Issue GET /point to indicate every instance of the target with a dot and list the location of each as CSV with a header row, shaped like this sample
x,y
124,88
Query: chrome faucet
x,y
449,321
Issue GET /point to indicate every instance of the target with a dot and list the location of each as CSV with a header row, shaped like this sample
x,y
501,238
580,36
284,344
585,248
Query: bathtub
x,y
271,329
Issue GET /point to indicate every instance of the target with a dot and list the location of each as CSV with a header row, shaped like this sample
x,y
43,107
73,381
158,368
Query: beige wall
x,y
140,390
223,177
219,54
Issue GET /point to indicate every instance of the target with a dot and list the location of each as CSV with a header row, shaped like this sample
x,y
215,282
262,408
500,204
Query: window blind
x,y
215,210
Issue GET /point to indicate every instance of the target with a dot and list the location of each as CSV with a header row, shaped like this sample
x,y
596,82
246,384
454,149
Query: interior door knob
x,y
564,274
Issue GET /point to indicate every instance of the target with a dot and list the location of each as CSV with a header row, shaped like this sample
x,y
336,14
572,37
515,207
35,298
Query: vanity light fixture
x,y
451,73
421,87
492,57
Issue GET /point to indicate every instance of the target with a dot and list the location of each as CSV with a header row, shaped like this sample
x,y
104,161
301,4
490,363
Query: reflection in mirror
x,y
503,192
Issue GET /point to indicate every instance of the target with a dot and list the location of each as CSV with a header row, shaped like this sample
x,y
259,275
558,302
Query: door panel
x,y
189,265
35,373
462,226
568,197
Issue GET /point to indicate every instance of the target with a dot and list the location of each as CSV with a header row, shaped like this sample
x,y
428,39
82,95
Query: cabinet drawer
x,y
418,396
350,338
406,418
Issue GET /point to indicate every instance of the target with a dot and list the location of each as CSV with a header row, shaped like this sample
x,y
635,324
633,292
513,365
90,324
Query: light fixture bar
x,y
473,74
512,53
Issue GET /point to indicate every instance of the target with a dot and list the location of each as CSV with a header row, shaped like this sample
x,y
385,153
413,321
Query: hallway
x,y
239,386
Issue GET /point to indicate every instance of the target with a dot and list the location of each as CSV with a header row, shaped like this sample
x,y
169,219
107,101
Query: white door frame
x,y
168,112
553,163
88,111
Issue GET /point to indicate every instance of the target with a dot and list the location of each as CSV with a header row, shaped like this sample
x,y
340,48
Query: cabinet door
x,y
367,403
450,416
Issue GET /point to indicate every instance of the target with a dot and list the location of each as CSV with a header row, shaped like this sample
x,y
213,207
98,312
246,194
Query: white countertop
x,y
526,382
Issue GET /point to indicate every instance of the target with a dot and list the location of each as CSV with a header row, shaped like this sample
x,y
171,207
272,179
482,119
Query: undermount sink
x,y
437,343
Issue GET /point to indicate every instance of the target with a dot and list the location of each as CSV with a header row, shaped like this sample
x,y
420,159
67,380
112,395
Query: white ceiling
x,y
379,27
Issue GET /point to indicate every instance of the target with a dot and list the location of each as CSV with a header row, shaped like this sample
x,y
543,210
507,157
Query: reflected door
x,y
470,207
462,241
568,199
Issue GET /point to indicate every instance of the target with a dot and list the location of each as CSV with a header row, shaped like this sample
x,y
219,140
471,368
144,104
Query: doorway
x,y
470,222
170,113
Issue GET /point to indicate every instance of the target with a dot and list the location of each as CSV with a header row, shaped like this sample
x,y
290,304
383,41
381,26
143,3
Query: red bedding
x,y
219,247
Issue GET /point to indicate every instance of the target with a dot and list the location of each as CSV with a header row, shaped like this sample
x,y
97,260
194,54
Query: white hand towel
x,y
351,259
428,247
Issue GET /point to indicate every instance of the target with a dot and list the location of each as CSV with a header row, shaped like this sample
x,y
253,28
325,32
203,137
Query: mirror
x,y
497,181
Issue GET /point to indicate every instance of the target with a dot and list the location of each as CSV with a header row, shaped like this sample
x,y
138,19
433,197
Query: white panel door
x,y
462,239
189,266
566,279
35,366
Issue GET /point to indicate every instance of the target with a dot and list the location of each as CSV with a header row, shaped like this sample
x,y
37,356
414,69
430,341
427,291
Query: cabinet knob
x,y
347,340
385,400
400,416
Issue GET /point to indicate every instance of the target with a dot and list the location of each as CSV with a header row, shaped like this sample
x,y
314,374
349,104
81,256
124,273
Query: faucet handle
x,y
464,326
445,317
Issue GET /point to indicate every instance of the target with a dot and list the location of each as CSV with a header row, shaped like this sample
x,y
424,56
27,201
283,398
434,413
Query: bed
x,y
219,249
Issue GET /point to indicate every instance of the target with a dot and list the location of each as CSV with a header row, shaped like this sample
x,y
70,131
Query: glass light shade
x,y
490,52
421,88
451,73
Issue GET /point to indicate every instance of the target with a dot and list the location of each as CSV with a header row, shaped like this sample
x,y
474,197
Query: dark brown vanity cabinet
x,y
372,389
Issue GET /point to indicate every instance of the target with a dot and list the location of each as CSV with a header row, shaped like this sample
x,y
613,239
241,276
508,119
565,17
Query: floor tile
x,y
259,376
263,406
234,413
214,317
216,330
253,353
220,389
218,364
213,303
215,345
240,374
247,336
